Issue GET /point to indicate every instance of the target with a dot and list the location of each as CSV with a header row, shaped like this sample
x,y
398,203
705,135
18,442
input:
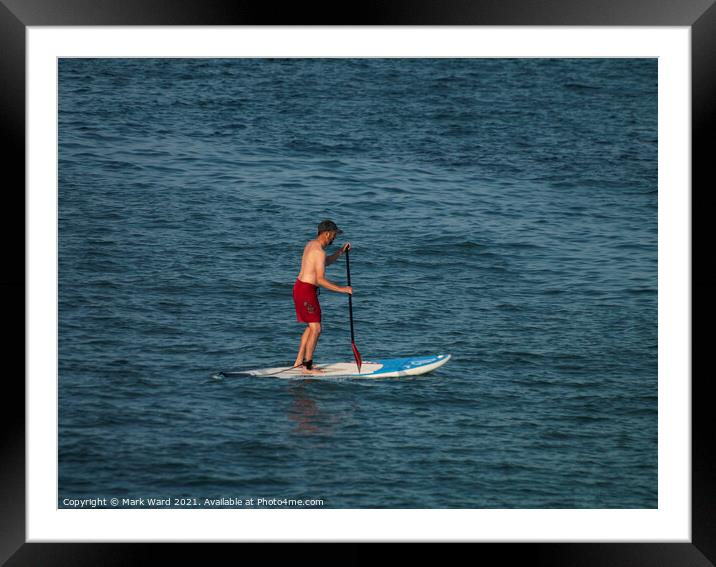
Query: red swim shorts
x,y
305,298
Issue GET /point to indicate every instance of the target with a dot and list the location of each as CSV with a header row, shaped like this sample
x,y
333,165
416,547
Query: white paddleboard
x,y
381,368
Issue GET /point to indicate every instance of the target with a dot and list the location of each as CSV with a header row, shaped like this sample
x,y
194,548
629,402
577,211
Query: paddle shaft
x,y
350,296
356,354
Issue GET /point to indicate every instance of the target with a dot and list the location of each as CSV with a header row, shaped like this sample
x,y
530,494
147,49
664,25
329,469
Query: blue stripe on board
x,y
402,364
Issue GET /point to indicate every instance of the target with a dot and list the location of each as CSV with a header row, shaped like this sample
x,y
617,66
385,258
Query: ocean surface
x,y
500,210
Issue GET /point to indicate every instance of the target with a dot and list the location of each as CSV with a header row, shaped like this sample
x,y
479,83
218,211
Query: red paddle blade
x,y
356,354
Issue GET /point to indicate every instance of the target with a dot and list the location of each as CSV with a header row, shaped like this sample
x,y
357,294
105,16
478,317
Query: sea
x,y
503,211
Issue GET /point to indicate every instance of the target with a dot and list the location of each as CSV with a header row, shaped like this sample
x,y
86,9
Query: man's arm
x,y
321,275
333,257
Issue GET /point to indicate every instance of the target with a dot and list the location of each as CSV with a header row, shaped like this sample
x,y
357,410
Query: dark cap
x,y
328,225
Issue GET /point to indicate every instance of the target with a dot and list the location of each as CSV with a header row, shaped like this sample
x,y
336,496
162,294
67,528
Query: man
x,y
305,290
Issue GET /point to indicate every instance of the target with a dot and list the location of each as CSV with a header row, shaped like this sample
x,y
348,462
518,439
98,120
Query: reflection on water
x,y
306,413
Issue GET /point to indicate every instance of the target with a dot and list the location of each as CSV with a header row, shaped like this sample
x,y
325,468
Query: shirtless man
x,y
305,296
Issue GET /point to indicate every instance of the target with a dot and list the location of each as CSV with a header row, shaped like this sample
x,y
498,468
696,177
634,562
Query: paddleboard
x,y
380,368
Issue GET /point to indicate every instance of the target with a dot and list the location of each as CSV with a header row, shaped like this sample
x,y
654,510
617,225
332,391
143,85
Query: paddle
x,y
356,354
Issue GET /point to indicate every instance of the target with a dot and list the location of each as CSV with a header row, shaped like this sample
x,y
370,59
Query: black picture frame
x,y
17,15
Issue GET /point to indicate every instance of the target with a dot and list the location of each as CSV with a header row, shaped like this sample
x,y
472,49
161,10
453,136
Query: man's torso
x,y
313,257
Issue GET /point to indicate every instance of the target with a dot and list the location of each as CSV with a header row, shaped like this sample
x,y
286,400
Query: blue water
x,y
503,211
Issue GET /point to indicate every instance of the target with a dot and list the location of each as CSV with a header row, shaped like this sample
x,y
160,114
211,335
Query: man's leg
x,y
302,348
315,332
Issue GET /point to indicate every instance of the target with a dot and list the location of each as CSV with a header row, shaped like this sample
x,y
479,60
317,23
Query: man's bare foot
x,y
313,371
